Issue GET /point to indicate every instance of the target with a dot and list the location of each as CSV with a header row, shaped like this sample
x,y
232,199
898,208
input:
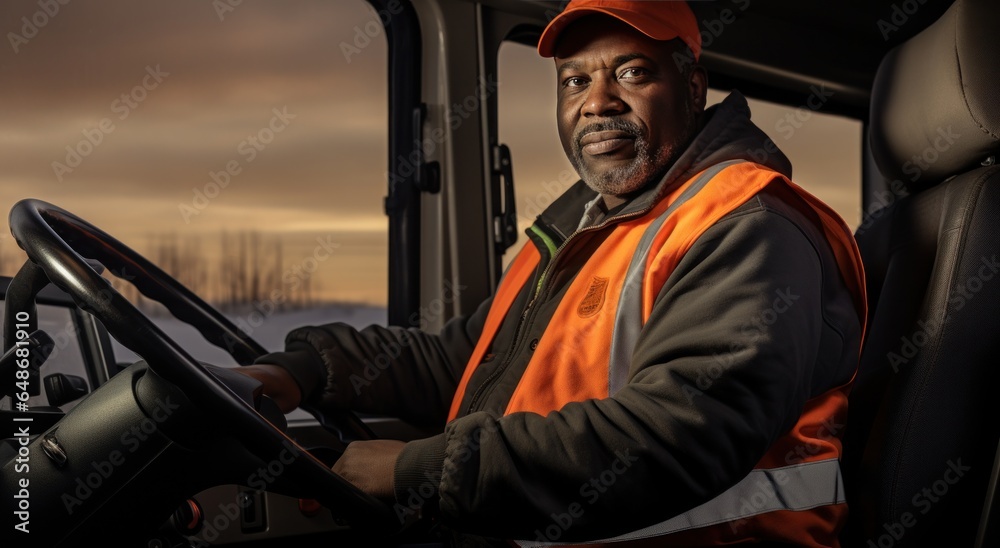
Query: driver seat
x,y
922,435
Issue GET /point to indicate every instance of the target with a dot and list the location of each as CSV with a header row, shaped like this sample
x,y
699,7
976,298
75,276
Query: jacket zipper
x,y
539,290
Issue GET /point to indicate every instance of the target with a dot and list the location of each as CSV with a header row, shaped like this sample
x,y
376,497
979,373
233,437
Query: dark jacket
x,y
515,476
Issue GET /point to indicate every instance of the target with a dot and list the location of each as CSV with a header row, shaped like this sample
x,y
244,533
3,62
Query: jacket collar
x,y
727,134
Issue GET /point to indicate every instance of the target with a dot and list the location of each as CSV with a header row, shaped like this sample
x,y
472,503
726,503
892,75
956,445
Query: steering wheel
x,y
56,242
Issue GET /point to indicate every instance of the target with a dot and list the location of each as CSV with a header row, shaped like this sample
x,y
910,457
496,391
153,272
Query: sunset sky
x,y
171,92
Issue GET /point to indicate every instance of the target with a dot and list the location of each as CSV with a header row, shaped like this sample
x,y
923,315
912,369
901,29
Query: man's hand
x,y
278,383
369,465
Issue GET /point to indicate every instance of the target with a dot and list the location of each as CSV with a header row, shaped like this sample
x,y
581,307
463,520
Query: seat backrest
x,y
923,428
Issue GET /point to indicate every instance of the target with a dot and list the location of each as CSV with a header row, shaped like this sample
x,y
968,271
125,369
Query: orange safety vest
x,y
795,493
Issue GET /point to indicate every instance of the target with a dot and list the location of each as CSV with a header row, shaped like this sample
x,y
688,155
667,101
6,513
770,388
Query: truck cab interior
x,y
133,439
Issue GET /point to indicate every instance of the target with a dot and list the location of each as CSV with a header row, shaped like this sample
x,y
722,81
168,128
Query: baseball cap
x,y
658,19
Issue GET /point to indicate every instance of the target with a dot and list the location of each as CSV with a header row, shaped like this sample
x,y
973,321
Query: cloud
x,y
222,80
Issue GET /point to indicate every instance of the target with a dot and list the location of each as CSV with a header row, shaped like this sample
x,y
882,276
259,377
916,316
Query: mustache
x,y
614,124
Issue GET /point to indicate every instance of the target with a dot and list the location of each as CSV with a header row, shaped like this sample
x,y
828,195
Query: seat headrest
x,y
935,106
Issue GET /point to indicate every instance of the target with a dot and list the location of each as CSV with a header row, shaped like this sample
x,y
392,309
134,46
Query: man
x,y
668,357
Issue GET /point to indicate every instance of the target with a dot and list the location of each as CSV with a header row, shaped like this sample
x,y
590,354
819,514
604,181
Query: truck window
x,y
241,146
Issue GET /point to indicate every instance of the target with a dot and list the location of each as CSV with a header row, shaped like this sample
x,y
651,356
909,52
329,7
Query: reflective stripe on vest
x,y
628,317
560,373
797,487
634,309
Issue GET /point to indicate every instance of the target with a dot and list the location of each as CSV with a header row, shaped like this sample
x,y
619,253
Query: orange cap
x,y
658,19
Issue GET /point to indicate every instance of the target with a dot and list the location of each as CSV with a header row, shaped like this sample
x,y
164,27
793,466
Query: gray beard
x,y
647,164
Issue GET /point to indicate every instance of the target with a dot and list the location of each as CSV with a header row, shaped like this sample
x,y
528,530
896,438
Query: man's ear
x,y
698,88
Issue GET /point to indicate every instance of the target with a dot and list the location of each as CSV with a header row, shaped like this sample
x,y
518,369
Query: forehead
x,y
602,37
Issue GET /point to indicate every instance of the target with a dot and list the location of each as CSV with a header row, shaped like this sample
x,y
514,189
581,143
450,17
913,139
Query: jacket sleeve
x,y
392,371
715,378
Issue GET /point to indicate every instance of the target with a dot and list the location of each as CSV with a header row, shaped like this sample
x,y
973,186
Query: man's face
x,y
625,110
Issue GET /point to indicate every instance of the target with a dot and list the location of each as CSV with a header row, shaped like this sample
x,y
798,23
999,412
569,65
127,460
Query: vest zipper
x,y
540,288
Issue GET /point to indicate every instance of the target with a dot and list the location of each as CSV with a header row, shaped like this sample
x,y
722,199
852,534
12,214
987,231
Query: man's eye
x,y
630,73
574,82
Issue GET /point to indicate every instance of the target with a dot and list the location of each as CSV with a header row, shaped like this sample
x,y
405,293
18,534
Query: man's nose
x,y
603,98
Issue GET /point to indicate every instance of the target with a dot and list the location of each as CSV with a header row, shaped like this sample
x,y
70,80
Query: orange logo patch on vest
x,y
594,299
